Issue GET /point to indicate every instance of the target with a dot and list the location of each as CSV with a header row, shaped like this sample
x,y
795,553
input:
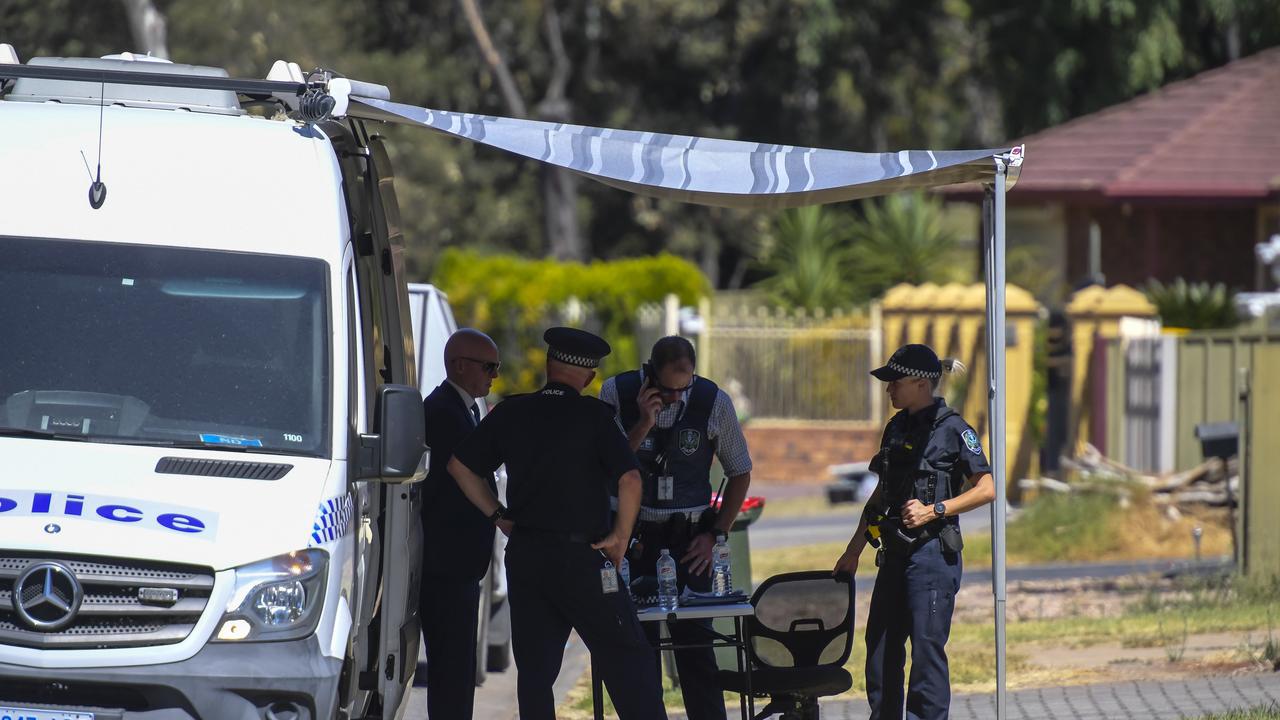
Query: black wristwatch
x,y
498,514
940,509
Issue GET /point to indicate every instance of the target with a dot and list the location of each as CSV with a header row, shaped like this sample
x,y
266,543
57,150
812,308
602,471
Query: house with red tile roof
x,y
1181,182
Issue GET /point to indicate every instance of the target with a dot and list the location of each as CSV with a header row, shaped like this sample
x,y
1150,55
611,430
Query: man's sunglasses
x,y
653,382
489,367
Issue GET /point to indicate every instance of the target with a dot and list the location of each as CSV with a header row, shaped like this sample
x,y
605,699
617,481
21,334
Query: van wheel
x,y
499,657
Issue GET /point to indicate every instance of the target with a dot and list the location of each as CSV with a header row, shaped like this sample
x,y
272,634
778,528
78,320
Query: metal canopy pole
x,y
994,242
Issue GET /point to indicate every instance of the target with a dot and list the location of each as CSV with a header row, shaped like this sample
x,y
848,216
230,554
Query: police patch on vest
x,y
690,441
971,441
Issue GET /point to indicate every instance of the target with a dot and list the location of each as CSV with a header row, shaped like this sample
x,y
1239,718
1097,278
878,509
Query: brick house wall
x,y
802,454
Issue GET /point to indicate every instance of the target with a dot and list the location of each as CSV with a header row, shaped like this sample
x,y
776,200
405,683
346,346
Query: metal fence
x,y
1143,447
793,366
1157,390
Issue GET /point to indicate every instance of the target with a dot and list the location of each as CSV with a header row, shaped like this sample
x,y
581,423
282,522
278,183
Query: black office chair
x,y
801,636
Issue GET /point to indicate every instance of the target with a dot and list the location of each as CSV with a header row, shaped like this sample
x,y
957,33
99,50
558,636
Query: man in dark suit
x,y
457,538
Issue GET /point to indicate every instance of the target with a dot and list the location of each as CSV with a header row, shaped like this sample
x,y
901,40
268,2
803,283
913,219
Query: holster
x,y
677,531
950,538
901,541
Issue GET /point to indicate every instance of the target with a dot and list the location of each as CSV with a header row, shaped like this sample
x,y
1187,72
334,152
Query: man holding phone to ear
x,y
677,423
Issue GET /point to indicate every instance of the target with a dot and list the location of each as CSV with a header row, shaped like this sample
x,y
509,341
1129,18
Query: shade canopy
x,y
706,171
732,173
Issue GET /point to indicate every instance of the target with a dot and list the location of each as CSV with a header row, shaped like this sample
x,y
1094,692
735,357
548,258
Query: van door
x,y
400,631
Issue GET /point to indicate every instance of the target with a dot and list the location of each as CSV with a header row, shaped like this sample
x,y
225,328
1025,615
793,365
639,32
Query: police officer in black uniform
x,y
931,469
562,451
678,423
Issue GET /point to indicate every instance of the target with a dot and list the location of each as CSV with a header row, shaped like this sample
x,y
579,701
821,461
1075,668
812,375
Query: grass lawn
x,y
1262,712
1140,627
1055,528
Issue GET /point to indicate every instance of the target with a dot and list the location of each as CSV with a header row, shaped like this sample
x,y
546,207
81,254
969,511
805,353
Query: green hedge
x,y
515,299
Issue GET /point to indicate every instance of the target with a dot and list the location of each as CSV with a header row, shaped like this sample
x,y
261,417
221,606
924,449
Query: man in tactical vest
x,y
931,469
678,423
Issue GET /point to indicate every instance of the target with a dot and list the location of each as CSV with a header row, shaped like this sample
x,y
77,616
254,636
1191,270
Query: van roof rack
x,y
243,86
313,97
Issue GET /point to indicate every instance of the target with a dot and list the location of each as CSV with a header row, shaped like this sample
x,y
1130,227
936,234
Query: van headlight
x,y
276,599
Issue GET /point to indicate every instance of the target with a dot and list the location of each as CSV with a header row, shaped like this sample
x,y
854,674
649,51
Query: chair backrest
x,y
803,619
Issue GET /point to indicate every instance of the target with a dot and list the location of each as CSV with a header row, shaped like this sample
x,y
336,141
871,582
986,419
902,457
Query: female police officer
x,y
931,469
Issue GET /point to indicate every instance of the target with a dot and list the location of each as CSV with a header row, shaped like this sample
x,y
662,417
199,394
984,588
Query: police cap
x,y
910,361
575,347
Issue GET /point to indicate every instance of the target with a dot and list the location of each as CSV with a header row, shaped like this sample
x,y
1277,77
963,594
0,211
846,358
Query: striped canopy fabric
x,y
725,173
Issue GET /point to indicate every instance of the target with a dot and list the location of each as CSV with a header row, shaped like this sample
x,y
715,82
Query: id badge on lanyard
x,y
666,487
608,578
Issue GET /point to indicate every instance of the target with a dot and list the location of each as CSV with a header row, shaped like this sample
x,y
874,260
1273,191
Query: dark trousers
x,y
554,586
913,598
703,697
449,608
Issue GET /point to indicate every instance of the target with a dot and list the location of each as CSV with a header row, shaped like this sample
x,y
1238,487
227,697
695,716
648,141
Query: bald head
x,y
471,361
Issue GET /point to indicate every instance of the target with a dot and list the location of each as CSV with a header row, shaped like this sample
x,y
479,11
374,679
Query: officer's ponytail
x,y
950,366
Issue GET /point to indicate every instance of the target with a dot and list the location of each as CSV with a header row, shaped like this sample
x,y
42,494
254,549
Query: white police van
x,y
208,412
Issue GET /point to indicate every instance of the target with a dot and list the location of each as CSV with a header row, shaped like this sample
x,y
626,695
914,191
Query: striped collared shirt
x,y
723,427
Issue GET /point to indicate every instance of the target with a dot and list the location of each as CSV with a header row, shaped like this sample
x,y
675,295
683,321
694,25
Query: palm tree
x,y
901,238
809,260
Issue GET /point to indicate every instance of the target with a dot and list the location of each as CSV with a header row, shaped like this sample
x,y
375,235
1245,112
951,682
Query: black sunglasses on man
x,y
490,367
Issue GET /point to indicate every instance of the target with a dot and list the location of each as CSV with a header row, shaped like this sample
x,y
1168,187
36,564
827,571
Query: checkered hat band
x,y
569,359
912,371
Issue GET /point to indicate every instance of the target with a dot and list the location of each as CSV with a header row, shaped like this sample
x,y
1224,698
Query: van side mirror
x,y
398,451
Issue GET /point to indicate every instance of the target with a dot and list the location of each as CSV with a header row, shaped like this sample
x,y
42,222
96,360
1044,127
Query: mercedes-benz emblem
x,y
47,596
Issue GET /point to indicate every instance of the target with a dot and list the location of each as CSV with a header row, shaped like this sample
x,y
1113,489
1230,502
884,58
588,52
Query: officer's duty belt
x,y
898,539
662,515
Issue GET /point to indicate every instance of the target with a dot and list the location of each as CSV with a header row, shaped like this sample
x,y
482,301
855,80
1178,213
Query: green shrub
x,y
1195,306
515,299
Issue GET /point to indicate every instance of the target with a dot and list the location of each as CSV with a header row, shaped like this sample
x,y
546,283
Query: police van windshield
x,y
163,346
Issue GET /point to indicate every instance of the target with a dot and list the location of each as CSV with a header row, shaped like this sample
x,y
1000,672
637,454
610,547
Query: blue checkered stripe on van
x,y
333,520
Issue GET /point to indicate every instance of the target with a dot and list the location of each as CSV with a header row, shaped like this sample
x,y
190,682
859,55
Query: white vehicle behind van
x,y
433,323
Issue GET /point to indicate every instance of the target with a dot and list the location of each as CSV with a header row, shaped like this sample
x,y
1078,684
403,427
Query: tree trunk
x,y
492,58
559,186
709,259
148,27
559,203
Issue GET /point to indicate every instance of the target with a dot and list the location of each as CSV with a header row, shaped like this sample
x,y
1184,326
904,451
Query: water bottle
x,y
667,589
721,572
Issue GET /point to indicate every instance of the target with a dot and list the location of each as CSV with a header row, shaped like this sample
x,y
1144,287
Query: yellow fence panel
x,y
952,320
